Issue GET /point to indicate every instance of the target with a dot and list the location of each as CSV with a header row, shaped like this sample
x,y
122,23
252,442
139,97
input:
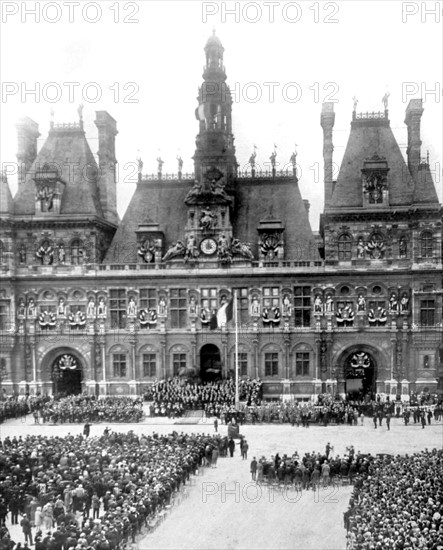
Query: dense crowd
x,y
93,493
398,503
85,408
13,408
303,413
310,470
335,412
172,397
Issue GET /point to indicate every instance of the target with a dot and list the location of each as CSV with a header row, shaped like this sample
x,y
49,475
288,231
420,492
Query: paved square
x,y
225,510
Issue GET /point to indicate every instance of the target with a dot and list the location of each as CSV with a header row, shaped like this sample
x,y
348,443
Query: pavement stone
x,y
237,515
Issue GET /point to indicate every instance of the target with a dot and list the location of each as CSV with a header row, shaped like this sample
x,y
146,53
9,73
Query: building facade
x,y
92,303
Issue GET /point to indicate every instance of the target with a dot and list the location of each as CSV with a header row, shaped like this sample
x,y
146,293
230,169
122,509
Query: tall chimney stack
x,y
27,134
107,130
414,111
327,123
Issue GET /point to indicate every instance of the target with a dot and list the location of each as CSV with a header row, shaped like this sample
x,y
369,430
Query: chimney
x,y
414,111
27,135
107,130
327,123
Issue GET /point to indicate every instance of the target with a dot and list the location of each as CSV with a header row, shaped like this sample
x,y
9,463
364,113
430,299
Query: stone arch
x,y
76,294
49,370
377,369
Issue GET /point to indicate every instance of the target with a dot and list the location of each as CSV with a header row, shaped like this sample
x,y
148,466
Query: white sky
x,y
368,51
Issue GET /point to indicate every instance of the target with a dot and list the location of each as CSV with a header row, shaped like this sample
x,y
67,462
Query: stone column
x,y
33,386
287,342
224,353
163,357
255,357
194,354
92,383
103,383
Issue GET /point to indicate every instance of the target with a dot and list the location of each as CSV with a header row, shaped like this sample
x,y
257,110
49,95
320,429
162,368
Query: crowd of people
x,y
311,470
93,493
13,408
324,412
397,503
174,396
84,408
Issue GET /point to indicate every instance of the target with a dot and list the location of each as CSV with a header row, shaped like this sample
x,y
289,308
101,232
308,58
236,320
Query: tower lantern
x,y
215,143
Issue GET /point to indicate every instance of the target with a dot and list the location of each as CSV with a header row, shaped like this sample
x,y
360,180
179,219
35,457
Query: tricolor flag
x,y
223,315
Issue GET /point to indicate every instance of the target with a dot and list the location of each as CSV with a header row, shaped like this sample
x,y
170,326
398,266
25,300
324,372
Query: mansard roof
x,y
369,137
6,202
154,201
67,150
278,199
425,192
162,202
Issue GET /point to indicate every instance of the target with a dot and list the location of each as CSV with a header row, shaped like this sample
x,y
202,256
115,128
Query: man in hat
x,y
86,429
26,528
254,468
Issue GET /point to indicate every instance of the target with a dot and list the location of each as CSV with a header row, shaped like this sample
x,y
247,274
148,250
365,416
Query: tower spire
x,y
215,142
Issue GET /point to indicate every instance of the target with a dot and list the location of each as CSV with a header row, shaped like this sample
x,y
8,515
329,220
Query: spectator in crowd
x,y
136,476
26,528
254,469
172,397
397,503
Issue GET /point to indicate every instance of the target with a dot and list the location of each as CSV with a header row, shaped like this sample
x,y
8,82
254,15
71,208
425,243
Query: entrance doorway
x,y
360,376
66,375
210,363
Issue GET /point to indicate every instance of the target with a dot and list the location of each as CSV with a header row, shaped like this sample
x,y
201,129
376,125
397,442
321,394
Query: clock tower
x,y
208,232
215,141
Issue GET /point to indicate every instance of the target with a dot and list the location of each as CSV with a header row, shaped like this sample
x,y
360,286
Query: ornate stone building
x,y
89,302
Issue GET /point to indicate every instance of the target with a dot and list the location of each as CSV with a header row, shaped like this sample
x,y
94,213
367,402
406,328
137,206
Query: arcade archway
x,y
357,371
210,363
66,374
359,376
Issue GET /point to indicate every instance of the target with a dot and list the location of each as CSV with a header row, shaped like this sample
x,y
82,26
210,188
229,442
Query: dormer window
x,y
48,190
345,248
375,181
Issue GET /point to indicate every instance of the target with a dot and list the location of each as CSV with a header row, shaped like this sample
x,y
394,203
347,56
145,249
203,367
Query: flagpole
x,y
236,350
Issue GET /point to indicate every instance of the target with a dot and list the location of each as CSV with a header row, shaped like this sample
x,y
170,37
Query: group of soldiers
x,y
74,409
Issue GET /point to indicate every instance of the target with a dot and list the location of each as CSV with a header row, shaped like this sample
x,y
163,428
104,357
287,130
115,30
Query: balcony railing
x,y
168,177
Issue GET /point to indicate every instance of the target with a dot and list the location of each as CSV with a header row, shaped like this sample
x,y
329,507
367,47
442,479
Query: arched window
x,y
344,248
426,244
76,252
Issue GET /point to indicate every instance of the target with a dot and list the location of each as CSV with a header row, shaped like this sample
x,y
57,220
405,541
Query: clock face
x,y
208,246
